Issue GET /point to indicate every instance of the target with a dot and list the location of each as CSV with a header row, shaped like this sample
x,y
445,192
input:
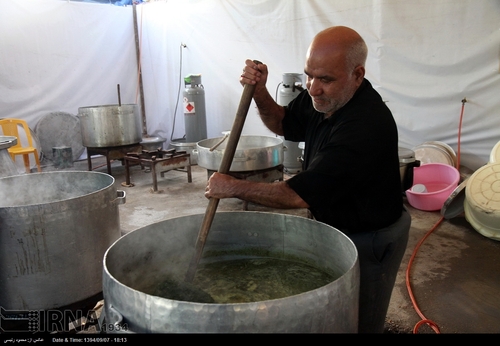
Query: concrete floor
x,y
455,275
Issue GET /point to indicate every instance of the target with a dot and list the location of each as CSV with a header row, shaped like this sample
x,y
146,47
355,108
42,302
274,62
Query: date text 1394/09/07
x,y
90,339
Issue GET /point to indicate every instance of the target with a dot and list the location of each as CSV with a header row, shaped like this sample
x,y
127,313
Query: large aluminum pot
x,y
54,230
143,257
252,153
110,125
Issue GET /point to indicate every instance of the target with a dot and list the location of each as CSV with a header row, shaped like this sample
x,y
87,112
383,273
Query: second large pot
x,y
54,230
252,153
144,257
110,125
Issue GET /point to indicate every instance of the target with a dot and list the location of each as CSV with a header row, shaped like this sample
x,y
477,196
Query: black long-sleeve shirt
x,y
351,178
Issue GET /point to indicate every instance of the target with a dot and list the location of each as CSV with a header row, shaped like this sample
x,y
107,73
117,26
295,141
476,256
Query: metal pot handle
x,y
120,197
116,323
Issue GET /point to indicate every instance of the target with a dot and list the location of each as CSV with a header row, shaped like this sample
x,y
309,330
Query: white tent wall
x,y
58,56
425,57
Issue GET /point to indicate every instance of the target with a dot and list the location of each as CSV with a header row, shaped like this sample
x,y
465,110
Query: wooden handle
x,y
227,159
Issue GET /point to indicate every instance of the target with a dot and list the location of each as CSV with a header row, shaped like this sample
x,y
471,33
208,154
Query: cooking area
x,y
105,224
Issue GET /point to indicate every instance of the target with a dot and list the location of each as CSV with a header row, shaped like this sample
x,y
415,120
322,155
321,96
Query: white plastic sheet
x,y
425,57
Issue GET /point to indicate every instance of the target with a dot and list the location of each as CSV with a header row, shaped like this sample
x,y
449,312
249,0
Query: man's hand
x,y
220,186
254,74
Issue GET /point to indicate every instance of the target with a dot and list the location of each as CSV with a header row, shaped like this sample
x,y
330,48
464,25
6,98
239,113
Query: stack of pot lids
x,y
7,141
435,152
482,203
495,153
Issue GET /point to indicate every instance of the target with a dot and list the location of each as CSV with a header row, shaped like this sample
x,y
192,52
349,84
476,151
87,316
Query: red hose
x,y
460,132
408,284
425,320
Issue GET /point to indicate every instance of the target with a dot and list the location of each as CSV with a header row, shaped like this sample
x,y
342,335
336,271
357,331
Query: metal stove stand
x,y
111,153
158,161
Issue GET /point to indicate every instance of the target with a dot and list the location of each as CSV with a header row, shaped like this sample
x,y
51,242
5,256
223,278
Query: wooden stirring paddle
x,y
227,160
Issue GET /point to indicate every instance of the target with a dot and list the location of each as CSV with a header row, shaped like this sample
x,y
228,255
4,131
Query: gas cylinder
x,y
195,121
290,88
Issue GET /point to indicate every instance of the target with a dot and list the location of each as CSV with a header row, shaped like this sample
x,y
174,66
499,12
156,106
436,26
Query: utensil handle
x,y
227,159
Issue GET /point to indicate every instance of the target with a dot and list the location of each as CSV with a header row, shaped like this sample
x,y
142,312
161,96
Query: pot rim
x,y
66,200
301,296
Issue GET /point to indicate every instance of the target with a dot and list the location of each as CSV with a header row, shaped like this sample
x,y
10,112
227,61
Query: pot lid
x,y
7,141
447,148
156,139
482,204
483,189
495,153
431,153
60,129
454,205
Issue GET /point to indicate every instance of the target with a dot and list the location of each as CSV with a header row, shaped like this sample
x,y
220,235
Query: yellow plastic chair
x,y
10,127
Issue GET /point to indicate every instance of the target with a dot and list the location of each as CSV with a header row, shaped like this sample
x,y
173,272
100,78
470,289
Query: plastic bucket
x,y
439,180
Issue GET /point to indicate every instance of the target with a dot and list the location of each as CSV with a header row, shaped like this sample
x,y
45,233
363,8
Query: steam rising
x,y
49,187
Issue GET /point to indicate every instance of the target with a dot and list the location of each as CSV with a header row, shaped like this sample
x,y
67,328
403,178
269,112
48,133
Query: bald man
x,y
350,178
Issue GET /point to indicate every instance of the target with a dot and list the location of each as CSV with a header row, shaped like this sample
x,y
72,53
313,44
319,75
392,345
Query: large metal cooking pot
x,y
54,230
252,153
143,257
110,125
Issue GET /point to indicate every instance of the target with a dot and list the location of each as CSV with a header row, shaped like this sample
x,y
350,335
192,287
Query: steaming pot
x,y
143,257
110,125
54,230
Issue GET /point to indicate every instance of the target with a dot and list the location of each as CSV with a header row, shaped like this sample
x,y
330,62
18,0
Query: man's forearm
x,y
274,195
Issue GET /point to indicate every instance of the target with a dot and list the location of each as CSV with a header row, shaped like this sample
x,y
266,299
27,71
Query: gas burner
x,y
158,160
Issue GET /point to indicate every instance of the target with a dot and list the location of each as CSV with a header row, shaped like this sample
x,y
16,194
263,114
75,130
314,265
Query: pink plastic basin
x,y
440,180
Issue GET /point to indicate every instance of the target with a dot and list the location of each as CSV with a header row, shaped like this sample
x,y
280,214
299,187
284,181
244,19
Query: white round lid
x,y
483,188
430,153
495,153
482,204
447,148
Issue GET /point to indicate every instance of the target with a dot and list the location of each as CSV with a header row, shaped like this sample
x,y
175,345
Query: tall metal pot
x,y
147,255
252,153
110,125
54,230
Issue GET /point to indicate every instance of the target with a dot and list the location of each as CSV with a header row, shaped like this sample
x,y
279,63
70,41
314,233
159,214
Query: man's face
x,y
329,82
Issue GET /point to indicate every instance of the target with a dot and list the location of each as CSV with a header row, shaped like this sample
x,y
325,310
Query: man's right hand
x,y
255,74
